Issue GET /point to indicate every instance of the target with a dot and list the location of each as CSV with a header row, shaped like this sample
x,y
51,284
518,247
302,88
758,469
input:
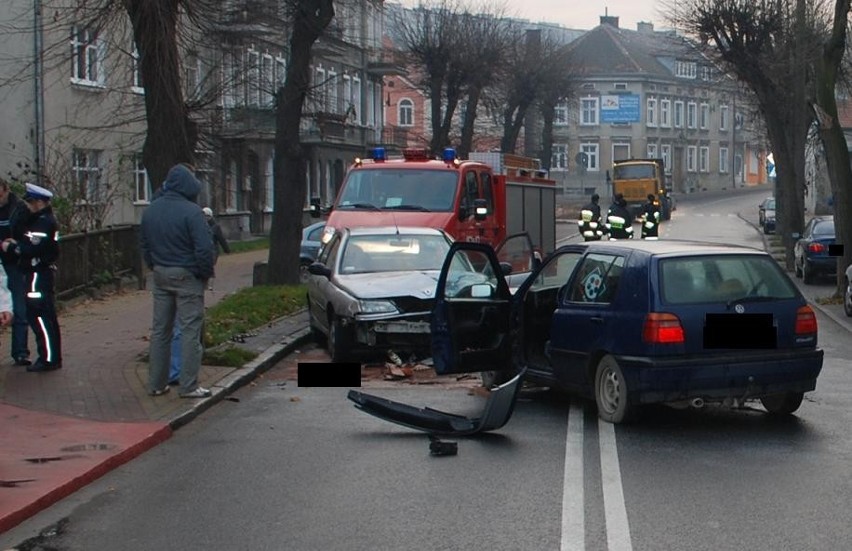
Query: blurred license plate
x,y
402,327
740,331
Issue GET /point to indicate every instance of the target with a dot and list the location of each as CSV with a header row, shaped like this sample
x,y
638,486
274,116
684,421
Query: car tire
x,y
766,230
304,274
782,404
340,340
847,301
316,333
796,270
490,379
611,392
807,273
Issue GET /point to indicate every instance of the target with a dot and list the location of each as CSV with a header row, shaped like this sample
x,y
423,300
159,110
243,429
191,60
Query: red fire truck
x,y
484,199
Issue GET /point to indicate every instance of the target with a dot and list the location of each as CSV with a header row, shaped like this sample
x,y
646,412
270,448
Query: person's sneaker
x,y
22,360
160,392
174,382
199,392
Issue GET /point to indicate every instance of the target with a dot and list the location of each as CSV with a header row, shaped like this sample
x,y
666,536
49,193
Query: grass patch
x,y
249,245
229,356
834,299
249,308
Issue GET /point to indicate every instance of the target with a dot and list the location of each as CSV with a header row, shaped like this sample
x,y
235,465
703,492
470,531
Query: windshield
x,y
393,253
824,228
404,189
634,172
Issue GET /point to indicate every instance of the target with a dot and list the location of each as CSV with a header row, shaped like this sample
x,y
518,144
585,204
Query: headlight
x,y
377,307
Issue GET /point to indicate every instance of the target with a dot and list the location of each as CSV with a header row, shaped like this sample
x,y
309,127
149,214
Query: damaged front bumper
x,y
498,410
407,332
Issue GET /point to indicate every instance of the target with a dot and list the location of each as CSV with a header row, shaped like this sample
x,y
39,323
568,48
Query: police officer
x,y
619,221
590,224
650,219
37,250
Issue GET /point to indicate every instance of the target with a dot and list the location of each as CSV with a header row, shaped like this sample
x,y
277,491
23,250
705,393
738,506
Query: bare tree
x,y
768,45
557,86
309,18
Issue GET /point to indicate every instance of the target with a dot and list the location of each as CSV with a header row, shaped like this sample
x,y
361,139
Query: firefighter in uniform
x,y
590,223
650,219
37,249
619,221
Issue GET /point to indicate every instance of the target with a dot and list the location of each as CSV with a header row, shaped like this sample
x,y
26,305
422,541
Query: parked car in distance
x,y
811,253
630,323
847,294
769,216
310,247
761,209
374,288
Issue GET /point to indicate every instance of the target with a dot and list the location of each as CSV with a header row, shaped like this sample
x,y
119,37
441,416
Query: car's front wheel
x,y
796,270
807,273
611,392
340,339
782,404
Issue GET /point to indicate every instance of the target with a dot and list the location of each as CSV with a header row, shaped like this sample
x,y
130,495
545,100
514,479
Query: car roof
x,y
390,230
675,247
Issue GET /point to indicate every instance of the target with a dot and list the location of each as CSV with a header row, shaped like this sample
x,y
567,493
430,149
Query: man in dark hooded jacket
x,y
619,221
176,245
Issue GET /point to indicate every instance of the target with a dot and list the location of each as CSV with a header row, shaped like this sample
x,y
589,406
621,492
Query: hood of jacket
x,y
181,180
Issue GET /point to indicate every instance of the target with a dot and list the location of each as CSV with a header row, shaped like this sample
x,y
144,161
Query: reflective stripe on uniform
x,y
47,344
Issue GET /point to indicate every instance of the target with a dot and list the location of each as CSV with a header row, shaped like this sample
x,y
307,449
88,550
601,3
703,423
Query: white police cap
x,y
37,192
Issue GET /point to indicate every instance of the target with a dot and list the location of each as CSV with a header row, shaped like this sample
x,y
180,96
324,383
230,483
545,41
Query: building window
x,y
691,115
704,119
371,100
652,151
269,185
87,54
678,114
686,69
87,174
588,111
723,117
560,114
559,157
691,153
666,155
665,113
704,159
142,185
356,100
136,68
723,160
331,93
652,112
319,89
267,82
253,77
406,112
591,151
620,151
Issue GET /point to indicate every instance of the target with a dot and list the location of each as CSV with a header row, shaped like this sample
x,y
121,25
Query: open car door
x,y
471,320
518,253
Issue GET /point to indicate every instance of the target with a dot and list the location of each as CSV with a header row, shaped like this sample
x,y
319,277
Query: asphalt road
x,y
283,467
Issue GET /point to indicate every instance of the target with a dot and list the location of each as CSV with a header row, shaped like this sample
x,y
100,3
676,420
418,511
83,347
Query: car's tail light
x,y
816,247
806,323
662,328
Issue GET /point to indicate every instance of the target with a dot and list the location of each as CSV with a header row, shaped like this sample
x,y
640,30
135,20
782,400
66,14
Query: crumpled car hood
x,y
390,284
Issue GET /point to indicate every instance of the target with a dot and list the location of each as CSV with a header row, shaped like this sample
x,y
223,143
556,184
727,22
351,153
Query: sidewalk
x,y
63,429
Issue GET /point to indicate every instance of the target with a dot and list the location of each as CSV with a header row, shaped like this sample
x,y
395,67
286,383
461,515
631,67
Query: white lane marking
x,y
615,511
573,500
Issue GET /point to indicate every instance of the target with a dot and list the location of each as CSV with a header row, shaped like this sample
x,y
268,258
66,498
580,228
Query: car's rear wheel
x,y
847,300
807,273
340,339
611,392
796,270
782,404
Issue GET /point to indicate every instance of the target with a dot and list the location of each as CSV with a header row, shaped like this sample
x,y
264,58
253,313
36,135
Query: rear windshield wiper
x,y
369,206
752,299
408,207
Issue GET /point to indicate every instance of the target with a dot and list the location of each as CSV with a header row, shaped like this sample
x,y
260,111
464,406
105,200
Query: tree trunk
x,y
512,127
171,135
546,153
466,143
436,86
312,17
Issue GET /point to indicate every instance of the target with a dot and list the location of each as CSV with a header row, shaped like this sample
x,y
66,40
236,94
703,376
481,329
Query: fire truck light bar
x,y
378,154
449,155
413,154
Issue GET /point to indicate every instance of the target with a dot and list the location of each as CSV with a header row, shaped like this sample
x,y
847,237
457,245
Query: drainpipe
x,y
38,80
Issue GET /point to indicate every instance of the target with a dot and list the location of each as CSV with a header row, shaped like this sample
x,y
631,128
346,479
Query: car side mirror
x,y
320,269
480,290
480,209
795,235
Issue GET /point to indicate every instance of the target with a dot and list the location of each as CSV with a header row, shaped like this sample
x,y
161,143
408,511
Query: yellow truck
x,y
635,179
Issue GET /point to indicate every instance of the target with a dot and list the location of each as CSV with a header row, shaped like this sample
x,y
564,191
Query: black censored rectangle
x,y
835,250
740,331
329,374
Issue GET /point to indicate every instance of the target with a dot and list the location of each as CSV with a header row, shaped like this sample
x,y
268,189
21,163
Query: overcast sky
x,y
582,14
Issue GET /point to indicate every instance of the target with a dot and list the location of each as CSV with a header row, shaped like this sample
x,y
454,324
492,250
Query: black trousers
x,y
41,315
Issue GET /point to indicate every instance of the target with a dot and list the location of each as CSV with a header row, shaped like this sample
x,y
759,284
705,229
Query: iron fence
x,y
97,257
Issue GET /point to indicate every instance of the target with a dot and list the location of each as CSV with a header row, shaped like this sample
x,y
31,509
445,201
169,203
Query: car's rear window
x,y
824,228
721,278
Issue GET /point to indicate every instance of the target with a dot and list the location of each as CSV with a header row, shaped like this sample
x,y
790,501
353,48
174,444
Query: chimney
x,y
611,20
645,27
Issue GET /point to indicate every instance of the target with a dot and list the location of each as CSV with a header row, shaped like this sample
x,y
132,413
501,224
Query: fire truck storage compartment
x,y
532,208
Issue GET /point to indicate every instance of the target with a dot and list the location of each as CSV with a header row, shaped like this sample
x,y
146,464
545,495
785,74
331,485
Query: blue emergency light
x,y
378,154
449,155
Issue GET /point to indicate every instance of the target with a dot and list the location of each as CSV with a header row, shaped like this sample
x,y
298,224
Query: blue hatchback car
x,y
629,323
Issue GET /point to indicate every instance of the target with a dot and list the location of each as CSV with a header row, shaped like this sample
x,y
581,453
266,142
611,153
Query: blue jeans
x,y
20,326
174,368
178,301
